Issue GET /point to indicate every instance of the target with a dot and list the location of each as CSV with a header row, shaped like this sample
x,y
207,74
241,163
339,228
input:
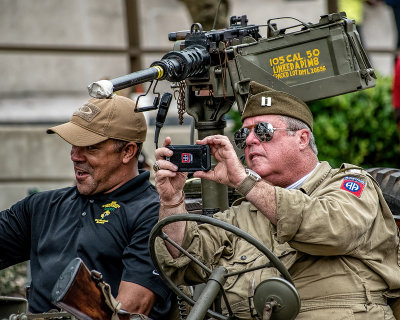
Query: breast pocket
x,y
239,264
245,256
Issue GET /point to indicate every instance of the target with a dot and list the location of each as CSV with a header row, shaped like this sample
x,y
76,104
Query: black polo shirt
x,y
109,232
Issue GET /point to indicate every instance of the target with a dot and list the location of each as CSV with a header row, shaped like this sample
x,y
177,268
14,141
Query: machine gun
x,y
215,68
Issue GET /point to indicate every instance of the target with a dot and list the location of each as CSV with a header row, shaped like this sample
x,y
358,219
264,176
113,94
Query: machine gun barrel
x,y
132,79
174,66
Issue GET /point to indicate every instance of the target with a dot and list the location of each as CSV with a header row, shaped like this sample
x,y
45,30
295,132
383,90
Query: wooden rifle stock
x,y
86,296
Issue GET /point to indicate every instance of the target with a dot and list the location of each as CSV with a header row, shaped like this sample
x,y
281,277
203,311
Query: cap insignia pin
x,y
265,101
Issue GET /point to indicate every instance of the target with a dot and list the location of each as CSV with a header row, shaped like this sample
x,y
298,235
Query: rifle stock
x,y
86,296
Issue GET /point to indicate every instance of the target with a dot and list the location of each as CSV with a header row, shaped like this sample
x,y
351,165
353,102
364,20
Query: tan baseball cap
x,y
263,100
101,119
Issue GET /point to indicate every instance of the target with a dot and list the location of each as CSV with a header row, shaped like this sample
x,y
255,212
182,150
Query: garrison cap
x,y
100,119
263,100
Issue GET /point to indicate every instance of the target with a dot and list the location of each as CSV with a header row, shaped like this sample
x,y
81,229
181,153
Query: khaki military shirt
x,y
335,235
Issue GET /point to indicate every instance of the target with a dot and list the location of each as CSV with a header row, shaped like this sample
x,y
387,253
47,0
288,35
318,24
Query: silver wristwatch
x,y
248,183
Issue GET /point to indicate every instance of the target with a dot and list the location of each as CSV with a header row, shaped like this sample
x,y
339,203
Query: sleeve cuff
x,y
289,214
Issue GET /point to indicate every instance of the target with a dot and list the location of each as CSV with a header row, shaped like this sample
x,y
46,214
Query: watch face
x,y
255,175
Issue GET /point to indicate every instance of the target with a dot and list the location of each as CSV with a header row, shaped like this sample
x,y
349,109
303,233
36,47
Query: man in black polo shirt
x,y
105,219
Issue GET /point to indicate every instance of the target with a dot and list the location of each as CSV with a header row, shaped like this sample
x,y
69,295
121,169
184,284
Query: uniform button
x,y
83,214
243,257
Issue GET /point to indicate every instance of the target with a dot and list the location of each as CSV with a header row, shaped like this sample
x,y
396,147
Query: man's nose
x,y
251,138
77,153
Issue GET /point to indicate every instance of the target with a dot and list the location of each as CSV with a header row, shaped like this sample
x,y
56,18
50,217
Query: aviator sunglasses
x,y
264,132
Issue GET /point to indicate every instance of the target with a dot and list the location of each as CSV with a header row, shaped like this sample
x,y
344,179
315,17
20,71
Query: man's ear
x,y
304,138
129,152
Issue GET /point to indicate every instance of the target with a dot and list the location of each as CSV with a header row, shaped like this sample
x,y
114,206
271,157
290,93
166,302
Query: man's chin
x,y
258,167
262,171
84,189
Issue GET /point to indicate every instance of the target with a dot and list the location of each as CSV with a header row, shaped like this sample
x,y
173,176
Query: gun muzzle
x,y
174,66
104,88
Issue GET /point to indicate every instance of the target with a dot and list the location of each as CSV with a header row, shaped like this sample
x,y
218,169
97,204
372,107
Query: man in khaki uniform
x,y
330,227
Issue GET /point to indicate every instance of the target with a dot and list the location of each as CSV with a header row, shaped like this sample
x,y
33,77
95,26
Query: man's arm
x,y
262,196
175,231
230,171
14,235
331,221
169,184
141,290
135,299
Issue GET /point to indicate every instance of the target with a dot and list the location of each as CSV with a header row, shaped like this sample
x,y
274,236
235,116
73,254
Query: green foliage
x,y
13,280
357,127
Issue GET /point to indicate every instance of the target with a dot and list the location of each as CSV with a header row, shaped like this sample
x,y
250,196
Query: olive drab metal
x,y
327,56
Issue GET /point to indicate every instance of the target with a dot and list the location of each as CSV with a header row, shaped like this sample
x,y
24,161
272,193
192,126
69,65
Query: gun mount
x,y
215,67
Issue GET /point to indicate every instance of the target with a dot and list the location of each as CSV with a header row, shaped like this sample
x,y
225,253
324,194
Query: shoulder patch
x,y
353,185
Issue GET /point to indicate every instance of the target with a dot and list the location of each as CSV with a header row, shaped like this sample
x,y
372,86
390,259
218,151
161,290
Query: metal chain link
x,y
180,100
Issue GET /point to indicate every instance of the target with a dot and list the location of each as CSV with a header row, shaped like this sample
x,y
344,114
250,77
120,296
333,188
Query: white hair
x,y
294,124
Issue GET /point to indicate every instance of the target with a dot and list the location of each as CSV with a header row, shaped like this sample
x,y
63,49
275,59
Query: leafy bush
x,y
13,280
357,127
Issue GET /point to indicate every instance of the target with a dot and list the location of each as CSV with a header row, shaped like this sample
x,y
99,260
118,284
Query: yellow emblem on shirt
x,y
108,208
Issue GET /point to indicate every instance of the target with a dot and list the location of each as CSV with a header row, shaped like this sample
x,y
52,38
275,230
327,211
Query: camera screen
x,y
187,159
190,158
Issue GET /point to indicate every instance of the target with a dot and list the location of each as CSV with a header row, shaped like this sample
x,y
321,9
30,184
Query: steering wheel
x,y
219,274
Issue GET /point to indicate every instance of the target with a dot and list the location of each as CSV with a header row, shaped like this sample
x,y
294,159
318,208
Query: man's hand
x,y
135,298
229,170
169,182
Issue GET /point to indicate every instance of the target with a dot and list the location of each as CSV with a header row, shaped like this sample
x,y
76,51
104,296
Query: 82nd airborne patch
x,y
353,185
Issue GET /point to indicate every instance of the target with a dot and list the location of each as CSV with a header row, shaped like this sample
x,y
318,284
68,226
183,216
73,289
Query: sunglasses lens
x,y
264,131
240,137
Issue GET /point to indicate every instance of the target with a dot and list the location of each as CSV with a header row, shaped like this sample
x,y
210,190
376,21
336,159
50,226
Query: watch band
x,y
248,183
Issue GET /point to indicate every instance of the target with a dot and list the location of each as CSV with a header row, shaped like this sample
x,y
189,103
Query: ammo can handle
x,y
276,32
